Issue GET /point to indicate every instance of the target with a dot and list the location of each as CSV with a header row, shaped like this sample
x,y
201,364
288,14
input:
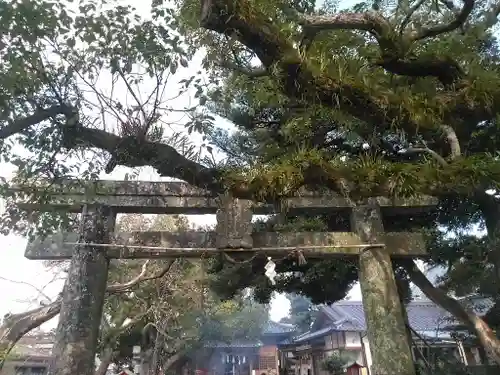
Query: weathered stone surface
x,y
181,198
397,243
391,350
234,223
83,298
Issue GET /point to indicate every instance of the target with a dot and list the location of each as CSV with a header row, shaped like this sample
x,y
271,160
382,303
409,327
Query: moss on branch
x,y
366,177
469,98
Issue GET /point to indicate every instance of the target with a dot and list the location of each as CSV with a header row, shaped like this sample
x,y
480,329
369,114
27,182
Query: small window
x,y
38,371
267,362
26,370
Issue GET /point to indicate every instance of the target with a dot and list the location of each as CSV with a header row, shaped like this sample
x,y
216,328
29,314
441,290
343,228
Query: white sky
x,y
16,272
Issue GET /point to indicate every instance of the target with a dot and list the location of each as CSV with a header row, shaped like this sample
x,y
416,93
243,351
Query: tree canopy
x,y
393,99
406,79
302,313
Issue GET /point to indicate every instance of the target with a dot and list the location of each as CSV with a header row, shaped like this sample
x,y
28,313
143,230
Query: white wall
x,y
352,339
334,341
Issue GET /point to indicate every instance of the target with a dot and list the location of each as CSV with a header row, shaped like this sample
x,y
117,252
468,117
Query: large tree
x,y
390,113
302,313
415,81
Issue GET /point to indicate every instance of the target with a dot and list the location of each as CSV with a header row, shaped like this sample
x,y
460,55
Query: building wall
x,y
357,346
24,367
352,340
221,361
334,341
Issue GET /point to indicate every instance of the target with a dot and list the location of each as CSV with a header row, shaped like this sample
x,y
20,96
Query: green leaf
x,y
173,67
168,60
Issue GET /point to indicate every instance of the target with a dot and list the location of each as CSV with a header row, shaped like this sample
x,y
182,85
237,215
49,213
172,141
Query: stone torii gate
x,y
91,249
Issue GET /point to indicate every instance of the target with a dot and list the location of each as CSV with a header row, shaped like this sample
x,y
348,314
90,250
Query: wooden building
x,y
252,357
341,329
31,355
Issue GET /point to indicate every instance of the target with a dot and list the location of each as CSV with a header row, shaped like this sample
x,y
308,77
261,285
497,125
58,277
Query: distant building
x,y
31,355
259,356
341,329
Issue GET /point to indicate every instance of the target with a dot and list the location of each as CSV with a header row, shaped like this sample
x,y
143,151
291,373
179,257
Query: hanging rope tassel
x,y
230,259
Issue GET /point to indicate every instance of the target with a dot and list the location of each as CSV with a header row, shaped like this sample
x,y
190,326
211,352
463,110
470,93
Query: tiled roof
x,y
312,335
286,341
423,316
270,328
274,328
32,346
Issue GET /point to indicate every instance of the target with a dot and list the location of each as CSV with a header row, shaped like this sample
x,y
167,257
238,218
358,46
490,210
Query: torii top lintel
x,y
182,198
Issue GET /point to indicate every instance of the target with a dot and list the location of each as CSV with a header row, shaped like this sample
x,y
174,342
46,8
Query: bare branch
x,y
40,291
116,288
432,153
134,95
407,19
16,326
457,22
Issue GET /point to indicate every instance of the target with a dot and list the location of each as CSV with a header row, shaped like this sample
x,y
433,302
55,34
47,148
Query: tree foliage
x,y
393,99
173,317
303,313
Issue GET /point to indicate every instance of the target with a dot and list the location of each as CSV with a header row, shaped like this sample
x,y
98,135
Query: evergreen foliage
x,y
385,98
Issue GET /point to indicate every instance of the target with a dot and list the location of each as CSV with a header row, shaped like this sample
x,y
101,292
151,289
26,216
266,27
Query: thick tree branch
x,y
392,48
425,150
141,277
300,80
446,70
373,22
14,127
264,37
16,326
458,21
453,142
475,324
452,139
249,72
408,16
133,152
